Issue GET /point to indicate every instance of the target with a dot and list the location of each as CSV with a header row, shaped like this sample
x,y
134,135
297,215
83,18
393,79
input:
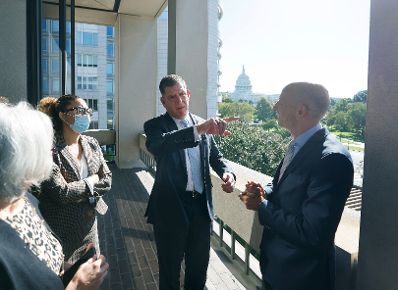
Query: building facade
x,y
95,62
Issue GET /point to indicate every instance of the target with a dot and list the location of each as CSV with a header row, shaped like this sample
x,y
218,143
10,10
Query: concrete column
x,y
13,46
192,50
135,99
378,251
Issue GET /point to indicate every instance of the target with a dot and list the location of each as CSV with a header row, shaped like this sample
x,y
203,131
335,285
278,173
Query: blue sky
x,y
282,41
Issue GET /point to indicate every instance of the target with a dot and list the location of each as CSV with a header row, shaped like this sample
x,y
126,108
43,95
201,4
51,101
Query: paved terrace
x,y
128,242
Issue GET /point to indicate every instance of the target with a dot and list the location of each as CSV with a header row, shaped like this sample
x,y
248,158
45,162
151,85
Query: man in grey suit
x,y
302,208
180,206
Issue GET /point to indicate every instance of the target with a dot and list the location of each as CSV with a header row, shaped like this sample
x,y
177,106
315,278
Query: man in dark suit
x,y
302,208
180,206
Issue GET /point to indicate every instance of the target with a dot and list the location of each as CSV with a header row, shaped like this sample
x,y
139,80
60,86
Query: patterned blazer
x,y
64,197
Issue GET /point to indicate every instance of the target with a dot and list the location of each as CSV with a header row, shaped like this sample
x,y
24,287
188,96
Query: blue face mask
x,y
81,124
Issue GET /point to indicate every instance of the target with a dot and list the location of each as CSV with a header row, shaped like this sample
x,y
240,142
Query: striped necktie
x,y
288,158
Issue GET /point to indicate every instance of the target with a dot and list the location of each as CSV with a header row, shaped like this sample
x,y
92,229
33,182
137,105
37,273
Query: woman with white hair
x,y
30,256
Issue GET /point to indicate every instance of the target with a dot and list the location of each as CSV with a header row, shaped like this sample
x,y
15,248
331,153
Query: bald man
x,y
300,212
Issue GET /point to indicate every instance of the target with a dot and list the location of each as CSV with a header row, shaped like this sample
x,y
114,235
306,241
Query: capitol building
x,y
243,89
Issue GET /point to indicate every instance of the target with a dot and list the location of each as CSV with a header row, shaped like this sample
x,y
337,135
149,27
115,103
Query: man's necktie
x,y
288,158
194,159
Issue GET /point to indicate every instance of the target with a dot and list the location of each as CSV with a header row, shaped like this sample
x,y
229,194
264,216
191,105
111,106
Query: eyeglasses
x,y
80,111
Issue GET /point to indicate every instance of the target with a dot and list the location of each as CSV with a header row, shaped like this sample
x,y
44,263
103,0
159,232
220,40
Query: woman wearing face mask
x,y
30,256
71,197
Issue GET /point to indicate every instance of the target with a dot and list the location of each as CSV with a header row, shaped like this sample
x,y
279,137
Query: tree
x,y
242,110
253,147
264,111
361,96
357,113
226,97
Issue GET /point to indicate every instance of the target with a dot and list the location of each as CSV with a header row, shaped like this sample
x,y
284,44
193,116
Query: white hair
x,y
26,137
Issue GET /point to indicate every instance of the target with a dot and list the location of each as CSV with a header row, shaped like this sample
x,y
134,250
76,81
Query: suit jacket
x,y
302,215
64,196
167,144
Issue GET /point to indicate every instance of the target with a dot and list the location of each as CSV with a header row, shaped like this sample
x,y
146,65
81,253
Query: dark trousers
x,y
266,286
192,242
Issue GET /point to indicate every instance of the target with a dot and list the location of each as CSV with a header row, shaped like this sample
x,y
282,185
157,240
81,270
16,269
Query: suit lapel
x,y
64,152
312,143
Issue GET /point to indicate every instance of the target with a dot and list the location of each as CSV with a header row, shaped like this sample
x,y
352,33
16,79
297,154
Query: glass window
x,y
44,66
94,63
109,31
44,85
79,37
55,85
68,47
55,45
44,44
44,25
109,113
79,59
86,59
109,87
92,70
90,38
95,39
109,50
79,83
93,125
109,69
54,26
55,65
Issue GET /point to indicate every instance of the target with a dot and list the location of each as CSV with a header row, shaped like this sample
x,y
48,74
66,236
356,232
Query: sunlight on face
x,y
176,101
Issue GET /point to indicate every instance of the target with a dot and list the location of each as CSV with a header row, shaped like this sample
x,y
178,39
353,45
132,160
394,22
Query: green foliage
x,y
264,111
361,96
226,97
243,110
253,147
348,116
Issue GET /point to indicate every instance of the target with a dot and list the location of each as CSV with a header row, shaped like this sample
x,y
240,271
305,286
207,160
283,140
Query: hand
x,y
251,202
215,126
94,179
229,182
254,189
90,274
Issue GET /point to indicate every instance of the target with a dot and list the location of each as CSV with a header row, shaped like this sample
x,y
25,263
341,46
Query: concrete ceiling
x,y
131,7
141,7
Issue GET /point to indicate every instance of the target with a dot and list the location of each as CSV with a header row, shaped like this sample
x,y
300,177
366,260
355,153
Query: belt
x,y
193,193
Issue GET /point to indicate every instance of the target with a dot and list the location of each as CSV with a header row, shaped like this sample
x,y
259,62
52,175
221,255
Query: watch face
x,y
92,200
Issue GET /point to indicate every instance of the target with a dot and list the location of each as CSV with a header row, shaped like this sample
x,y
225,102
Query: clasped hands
x,y
253,195
215,126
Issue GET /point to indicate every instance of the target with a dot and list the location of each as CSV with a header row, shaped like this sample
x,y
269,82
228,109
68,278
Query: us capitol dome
x,y
243,88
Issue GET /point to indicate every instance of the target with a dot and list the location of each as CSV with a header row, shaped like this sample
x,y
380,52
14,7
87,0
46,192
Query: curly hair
x,y
53,106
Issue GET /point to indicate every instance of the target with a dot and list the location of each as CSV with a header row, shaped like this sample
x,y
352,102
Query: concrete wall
x,y
136,93
378,251
191,50
13,45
